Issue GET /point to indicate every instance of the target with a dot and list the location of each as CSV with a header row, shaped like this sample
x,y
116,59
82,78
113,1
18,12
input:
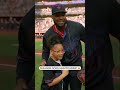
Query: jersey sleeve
x,y
48,76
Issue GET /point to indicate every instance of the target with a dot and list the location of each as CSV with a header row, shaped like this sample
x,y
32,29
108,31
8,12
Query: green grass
x,y
116,50
8,51
8,45
38,73
38,44
7,79
117,85
83,47
116,56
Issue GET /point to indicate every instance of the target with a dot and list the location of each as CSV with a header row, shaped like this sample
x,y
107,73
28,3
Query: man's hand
x,y
81,75
43,62
21,85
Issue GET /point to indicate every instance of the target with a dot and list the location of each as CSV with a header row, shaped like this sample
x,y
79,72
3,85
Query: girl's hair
x,y
53,40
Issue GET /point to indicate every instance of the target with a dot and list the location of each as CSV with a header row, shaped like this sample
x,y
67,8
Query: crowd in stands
x,y
11,12
9,24
62,1
14,7
74,10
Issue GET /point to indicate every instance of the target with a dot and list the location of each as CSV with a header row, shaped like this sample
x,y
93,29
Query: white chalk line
x,y
116,77
8,65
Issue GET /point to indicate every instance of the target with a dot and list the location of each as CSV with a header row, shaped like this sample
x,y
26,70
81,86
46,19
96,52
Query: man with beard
x,y
71,33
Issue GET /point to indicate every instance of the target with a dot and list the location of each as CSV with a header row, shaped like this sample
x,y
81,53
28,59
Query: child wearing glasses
x,y
53,79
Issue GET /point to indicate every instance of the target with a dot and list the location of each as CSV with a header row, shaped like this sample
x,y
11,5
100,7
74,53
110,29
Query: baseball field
x,y
8,51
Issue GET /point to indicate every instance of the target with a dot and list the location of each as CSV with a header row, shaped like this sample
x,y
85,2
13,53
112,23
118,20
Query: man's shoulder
x,y
70,21
49,31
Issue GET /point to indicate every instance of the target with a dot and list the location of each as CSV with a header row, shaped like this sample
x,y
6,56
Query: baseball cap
x,y
58,8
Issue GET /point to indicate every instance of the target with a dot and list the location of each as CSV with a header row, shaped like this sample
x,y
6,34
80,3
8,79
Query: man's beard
x,y
60,27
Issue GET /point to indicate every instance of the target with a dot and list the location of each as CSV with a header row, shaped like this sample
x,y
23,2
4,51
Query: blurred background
x,y
11,14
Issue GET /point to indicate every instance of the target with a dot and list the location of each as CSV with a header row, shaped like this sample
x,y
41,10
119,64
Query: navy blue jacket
x,y
74,32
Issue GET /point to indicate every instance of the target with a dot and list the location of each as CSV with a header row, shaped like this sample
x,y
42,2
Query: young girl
x,y
53,79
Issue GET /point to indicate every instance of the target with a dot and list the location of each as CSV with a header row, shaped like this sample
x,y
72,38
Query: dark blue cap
x,y
57,8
